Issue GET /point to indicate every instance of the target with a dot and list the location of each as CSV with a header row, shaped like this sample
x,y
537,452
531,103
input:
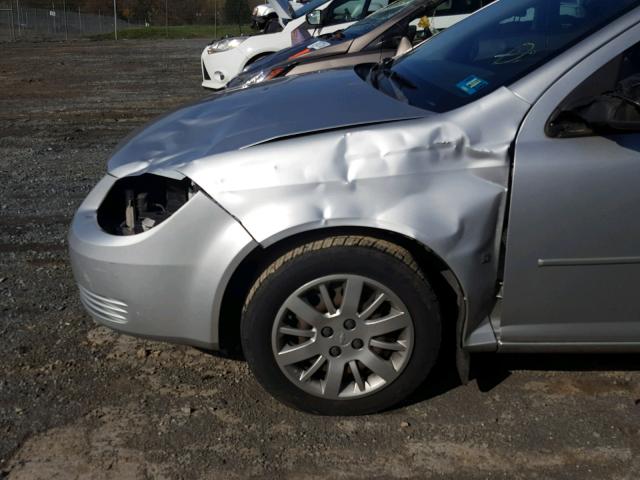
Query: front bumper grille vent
x,y
104,308
205,72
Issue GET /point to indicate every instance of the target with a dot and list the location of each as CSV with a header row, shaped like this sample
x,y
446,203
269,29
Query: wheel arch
x,y
257,57
441,277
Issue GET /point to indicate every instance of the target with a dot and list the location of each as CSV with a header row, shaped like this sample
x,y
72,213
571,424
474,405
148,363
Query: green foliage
x,y
155,12
237,11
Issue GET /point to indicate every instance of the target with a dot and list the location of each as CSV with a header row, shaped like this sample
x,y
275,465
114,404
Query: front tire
x,y
347,325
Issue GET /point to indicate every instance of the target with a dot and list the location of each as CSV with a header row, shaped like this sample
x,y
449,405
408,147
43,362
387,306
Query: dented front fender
x,y
441,180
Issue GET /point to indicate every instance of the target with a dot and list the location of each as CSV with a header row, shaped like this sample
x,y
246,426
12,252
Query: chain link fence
x,y
43,20
18,20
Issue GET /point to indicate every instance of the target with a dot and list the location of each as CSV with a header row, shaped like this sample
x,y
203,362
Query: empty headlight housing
x,y
138,204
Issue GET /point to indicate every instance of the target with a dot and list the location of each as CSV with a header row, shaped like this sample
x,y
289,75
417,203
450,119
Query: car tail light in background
x,y
276,72
300,53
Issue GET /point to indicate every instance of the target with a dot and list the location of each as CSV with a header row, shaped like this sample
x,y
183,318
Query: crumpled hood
x,y
239,119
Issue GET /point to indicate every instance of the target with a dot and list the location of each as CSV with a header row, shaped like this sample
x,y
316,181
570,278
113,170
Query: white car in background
x,y
264,16
225,59
222,60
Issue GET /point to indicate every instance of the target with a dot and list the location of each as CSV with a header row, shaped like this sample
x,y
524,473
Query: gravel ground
x,y
80,401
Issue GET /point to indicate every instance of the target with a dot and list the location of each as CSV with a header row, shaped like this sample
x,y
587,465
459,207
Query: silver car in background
x,y
486,181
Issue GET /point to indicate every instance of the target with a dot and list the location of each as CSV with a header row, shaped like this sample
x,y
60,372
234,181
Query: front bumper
x,y
166,283
220,67
207,81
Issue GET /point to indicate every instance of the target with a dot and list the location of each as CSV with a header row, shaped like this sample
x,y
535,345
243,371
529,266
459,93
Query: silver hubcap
x,y
342,336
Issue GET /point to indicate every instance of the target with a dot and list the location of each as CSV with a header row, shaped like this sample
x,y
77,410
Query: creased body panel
x,y
235,120
441,180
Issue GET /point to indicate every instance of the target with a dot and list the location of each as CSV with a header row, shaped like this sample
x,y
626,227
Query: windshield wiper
x,y
397,78
372,77
384,69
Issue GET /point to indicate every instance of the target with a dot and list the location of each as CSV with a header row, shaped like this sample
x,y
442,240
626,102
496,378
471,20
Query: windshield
x,y
492,48
307,7
377,18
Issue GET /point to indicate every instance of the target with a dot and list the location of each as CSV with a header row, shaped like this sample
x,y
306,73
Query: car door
x,y
572,265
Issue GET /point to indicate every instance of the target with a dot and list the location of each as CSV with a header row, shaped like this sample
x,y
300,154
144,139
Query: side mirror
x,y
314,18
604,114
404,46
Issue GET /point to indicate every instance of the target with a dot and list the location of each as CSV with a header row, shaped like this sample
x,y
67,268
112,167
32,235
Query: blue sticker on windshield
x,y
472,85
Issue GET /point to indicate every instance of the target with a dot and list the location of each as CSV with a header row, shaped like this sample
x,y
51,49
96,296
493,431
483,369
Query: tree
x,y
181,12
145,10
237,12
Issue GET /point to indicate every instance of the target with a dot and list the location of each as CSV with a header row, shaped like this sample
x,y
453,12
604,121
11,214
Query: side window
x,y
459,7
527,17
449,12
608,102
342,11
416,29
574,9
376,5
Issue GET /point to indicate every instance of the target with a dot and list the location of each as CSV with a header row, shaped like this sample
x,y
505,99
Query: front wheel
x,y
346,325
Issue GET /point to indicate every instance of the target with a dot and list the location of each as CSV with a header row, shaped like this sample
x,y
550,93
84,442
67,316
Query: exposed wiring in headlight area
x,y
224,44
138,204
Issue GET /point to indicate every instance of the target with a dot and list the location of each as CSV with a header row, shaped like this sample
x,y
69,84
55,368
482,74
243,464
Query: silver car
x,y
487,181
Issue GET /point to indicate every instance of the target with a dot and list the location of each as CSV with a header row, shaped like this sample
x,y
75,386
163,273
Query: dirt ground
x,y
79,401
